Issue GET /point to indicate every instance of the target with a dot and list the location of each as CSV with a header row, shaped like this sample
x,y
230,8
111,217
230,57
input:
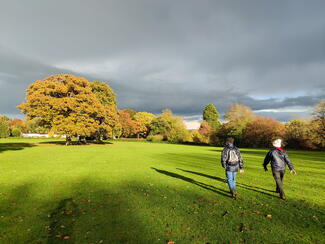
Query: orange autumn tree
x,y
128,124
262,130
66,104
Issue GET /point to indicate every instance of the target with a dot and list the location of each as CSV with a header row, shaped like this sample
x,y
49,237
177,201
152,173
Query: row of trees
x,y
258,131
15,127
75,107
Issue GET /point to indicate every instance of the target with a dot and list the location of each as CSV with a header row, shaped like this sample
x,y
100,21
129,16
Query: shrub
x,y
155,138
16,132
4,127
177,135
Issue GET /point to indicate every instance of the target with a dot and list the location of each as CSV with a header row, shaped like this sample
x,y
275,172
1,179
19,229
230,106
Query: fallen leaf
x,y
256,212
225,213
69,212
269,216
171,242
66,237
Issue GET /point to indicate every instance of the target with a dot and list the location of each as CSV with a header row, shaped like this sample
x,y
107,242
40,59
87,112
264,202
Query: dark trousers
x,y
278,177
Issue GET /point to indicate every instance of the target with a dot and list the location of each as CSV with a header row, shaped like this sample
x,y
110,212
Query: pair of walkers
x,y
232,162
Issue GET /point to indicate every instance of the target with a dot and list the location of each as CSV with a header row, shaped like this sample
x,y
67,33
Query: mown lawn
x,y
138,192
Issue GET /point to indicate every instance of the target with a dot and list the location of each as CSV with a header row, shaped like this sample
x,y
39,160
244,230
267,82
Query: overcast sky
x,y
182,55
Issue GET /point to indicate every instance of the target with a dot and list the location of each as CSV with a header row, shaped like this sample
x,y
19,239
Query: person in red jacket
x,y
279,159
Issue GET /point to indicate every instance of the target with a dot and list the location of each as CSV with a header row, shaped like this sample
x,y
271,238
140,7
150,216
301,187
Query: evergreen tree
x,y
211,116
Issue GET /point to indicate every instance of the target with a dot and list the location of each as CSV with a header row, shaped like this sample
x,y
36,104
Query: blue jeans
x,y
231,179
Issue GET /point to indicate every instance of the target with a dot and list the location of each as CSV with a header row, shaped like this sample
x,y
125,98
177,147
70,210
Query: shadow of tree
x,y
76,143
88,211
14,146
63,220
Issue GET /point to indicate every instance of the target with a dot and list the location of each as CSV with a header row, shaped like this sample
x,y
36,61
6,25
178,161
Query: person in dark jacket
x,y
279,159
232,161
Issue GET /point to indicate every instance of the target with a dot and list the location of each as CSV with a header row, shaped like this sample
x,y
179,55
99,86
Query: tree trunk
x,y
67,140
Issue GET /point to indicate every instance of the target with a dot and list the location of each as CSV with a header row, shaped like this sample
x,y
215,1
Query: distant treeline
x,y
77,108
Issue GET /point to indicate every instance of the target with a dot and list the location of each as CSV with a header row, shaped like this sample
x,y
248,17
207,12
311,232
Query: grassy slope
x,y
130,192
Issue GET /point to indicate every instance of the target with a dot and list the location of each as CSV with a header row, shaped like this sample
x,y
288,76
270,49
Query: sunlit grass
x,y
131,192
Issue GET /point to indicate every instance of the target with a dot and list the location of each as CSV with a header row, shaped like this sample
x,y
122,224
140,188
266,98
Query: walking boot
x,y
282,196
234,196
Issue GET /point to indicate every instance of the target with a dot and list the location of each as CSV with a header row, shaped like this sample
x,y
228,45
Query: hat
x,y
277,143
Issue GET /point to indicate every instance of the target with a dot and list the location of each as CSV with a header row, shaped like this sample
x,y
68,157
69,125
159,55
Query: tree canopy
x,y
70,105
211,116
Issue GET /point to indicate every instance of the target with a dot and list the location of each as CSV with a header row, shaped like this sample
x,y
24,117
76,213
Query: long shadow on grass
x,y
190,180
76,143
63,219
14,146
93,211
242,185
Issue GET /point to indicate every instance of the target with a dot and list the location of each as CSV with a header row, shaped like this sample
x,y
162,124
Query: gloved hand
x,y
265,169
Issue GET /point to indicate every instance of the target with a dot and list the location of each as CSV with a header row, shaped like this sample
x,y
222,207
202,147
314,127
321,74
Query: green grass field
x,y
138,192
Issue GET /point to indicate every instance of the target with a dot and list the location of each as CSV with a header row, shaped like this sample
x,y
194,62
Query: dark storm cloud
x,y
170,54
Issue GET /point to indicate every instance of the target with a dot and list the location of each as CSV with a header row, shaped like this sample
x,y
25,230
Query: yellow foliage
x,y
67,104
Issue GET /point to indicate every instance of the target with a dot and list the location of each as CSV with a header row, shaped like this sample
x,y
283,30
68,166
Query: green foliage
x,y
35,126
117,131
317,126
155,138
143,121
162,124
16,132
178,134
4,127
170,127
238,117
297,134
211,116
197,137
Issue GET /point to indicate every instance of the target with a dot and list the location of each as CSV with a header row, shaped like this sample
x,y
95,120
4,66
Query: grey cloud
x,y
169,54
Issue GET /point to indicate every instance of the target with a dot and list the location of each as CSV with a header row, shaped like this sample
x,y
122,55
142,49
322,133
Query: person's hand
x,y
265,169
241,171
293,172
